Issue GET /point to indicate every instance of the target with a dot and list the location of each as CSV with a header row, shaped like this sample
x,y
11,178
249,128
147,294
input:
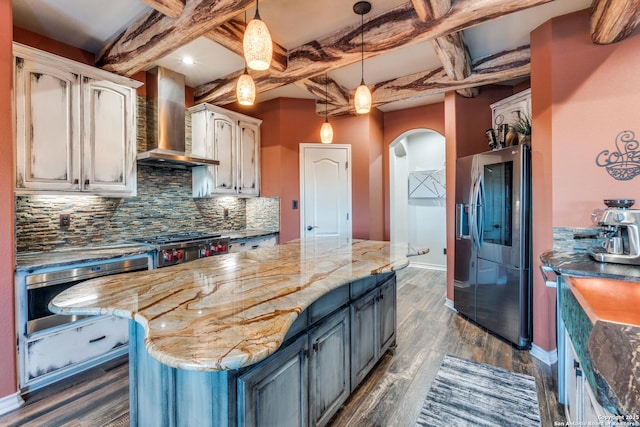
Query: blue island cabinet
x,y
304,383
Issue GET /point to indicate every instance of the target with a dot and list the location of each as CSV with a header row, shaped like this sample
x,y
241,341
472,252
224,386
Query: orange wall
x,y
288,122
8,379
583,96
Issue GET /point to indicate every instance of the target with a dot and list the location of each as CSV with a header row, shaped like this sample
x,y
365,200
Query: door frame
x,y
302,150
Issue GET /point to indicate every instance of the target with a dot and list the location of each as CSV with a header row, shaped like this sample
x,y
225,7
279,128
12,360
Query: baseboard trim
x,y
449,304
10,403
417,264
546,357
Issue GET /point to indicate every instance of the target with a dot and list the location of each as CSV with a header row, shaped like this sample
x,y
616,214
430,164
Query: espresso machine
x,y
619,232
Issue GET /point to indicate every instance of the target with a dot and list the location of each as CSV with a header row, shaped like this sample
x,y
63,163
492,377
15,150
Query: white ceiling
x,y
90,24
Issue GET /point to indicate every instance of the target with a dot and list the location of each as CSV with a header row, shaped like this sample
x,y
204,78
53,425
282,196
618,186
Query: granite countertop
x,y
581,264
30,261
609,350
233,310
247,234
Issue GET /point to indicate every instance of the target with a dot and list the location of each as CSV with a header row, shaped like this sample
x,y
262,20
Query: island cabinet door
x,y
387,307
329,381
364,336
274,393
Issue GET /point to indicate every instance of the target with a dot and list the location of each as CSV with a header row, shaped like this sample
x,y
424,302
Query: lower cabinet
x,y
581,406
249,244
373,327
276,394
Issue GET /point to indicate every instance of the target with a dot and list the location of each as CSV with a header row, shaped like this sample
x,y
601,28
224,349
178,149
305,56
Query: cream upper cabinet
x,y
234,140
75,127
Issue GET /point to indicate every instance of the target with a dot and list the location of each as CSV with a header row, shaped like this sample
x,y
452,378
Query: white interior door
x,y
325,190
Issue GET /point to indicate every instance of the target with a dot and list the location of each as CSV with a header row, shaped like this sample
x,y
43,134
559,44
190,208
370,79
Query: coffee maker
x,y
619,232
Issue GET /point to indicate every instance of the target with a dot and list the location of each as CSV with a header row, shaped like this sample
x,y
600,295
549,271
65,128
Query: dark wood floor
x,y
391,395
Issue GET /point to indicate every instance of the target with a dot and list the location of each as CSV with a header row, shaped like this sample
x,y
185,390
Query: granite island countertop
x,y
233,310
611,350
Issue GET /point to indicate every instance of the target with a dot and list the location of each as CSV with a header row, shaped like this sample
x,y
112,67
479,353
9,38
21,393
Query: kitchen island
x,y
281,334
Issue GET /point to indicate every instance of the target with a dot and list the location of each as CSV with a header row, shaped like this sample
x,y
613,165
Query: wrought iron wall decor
x,y
623,164
427,184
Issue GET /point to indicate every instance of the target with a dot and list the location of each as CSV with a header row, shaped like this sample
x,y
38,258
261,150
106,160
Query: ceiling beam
x,y
393,29
230,35
613,20
451,49
334,93
496,68
155,35
171,8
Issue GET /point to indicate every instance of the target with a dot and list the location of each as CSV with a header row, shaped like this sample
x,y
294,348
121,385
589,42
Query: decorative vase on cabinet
x,y
234,140
75,127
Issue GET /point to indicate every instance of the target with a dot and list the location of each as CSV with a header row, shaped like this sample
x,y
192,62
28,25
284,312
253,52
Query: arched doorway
x,y
417,195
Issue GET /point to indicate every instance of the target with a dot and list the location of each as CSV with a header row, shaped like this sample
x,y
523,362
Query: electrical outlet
x,y
65,220
225,213
444,251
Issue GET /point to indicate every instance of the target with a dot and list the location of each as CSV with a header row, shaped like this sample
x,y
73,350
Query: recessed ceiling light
x,y
188,60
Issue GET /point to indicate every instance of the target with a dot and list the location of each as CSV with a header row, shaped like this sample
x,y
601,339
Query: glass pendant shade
x,y
245,90
326,133
258,48
362,99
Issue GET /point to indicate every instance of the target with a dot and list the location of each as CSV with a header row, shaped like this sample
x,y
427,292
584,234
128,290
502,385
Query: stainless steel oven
x,y
43,287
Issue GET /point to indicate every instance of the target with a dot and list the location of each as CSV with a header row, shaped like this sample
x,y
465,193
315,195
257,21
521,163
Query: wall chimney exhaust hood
x,y
165,123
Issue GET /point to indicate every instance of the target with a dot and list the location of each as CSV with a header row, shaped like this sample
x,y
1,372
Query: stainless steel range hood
x,y
165,123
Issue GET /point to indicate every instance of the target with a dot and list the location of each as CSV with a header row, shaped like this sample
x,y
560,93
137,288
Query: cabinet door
x,y
249,159
108,138
387,314
224,150
364,337
274,393
329,368
573,383
47,127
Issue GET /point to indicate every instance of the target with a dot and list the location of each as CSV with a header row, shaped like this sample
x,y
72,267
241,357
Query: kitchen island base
x,y
327,352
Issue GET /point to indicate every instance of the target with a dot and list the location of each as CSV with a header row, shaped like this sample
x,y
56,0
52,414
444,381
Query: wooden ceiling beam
x,y
393,29
496,68
155,35
451,49
613,20
230,35
334,92
170,8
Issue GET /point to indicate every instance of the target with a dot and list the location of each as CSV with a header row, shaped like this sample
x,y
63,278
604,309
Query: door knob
x,y
309,227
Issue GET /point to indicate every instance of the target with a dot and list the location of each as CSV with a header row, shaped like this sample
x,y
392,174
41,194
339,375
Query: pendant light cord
x,y
326,96
361,45
257,11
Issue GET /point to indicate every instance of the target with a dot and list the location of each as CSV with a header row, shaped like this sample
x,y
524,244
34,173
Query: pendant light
x,y
245,87
326,131
258,48
362,98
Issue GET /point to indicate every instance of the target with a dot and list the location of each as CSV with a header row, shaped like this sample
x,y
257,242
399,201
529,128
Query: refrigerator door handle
x,y
480,203
461,212
473,213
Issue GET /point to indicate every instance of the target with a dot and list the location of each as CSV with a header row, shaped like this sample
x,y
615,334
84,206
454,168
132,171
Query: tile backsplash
x,y
163,204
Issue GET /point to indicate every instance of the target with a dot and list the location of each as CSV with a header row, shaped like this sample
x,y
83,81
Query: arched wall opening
x,y
417,195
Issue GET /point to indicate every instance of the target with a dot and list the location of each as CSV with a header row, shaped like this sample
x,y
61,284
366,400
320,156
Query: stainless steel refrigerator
x,y
492,274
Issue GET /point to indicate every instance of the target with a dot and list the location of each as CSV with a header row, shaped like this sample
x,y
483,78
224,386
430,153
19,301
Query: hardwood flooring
x,y
391,395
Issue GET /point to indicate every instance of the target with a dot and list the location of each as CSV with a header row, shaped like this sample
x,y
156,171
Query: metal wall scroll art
x,y
623,164
427,184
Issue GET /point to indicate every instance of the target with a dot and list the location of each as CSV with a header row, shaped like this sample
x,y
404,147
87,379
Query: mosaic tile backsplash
x,y
163,205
